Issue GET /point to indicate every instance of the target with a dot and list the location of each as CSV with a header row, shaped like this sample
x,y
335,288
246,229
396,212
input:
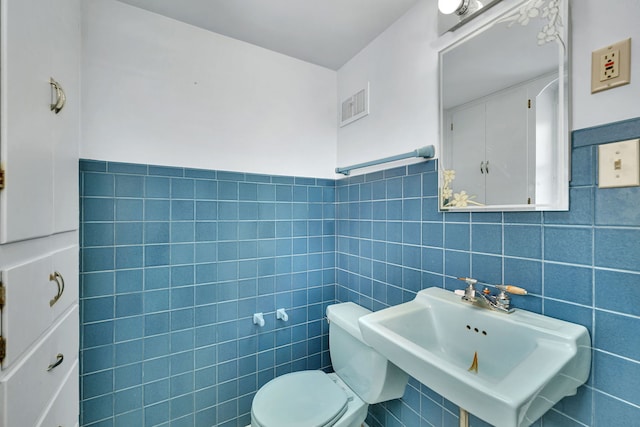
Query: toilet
x,y
316,399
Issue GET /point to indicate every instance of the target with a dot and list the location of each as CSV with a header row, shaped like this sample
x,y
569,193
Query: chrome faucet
x,y
500,302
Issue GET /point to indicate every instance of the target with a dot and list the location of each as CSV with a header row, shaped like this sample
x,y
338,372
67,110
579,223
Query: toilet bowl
x,y
341,399
307,398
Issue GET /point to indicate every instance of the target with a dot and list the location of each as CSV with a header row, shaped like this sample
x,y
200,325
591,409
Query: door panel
x,y
468,151
507,152
26,203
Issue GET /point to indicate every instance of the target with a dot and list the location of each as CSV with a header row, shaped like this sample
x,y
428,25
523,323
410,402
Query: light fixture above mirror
x,y
454,13
459,7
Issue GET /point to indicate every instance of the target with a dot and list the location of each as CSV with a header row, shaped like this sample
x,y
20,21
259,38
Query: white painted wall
x,y
162,92
596,24
157,91
401,66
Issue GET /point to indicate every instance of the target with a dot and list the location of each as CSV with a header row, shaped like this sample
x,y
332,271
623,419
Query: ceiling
x,y
326,32
472,70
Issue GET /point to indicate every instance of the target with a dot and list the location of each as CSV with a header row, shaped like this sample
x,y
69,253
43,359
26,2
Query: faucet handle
x,y
512,289
469,292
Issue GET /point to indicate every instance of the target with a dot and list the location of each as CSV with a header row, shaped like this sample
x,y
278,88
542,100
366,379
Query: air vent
x,y
355,107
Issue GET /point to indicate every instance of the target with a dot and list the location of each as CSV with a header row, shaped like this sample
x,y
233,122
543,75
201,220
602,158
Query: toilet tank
x,y
370,375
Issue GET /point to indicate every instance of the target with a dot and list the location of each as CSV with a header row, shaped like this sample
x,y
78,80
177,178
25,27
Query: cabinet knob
x,y
481,167
60,97
56,277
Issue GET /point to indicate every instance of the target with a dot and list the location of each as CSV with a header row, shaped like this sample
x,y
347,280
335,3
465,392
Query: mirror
x,y
504,138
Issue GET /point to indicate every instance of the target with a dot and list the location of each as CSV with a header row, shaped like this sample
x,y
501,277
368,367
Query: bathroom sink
x,y
507,369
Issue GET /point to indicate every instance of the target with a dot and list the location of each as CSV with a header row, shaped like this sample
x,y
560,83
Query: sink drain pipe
x,y
464,418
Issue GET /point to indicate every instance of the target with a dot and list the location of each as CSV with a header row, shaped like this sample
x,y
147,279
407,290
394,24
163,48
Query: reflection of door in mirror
x,y
491,145
507,148
467,135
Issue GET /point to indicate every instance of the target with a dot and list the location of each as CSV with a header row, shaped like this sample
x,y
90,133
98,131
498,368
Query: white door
x,y
506,148
468,150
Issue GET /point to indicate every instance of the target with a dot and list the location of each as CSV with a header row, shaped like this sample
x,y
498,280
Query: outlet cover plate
x,y
611,66
618,164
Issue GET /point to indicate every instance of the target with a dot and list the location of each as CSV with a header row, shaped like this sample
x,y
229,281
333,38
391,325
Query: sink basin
x,y
507,369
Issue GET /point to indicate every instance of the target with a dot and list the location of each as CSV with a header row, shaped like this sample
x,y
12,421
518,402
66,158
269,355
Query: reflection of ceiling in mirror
x,y
494,59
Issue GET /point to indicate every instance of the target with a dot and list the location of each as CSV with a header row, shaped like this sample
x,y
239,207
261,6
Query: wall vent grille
x,y
355,107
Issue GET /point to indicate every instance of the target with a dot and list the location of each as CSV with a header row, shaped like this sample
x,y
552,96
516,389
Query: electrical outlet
x,y
611,66
618,164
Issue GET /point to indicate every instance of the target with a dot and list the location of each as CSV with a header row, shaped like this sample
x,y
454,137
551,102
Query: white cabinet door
x,y
66,39
468,151
507,155
40,40
37,293
26,150
490,150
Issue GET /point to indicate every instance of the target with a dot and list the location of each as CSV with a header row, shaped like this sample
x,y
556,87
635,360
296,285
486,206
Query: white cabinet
x,y
40,40
39,315
490,149
492,146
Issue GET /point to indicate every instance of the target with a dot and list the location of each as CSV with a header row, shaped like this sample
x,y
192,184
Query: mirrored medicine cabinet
x,y
504,110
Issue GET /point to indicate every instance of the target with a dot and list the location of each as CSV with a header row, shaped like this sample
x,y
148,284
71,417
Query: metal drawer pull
x,y
59,359
57,277
61,98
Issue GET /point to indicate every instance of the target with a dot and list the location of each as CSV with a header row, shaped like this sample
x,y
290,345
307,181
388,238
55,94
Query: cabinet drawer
x,y
64,410
29,386
31,306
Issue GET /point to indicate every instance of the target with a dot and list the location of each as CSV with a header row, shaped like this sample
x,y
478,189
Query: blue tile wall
x,y
174,264
582,266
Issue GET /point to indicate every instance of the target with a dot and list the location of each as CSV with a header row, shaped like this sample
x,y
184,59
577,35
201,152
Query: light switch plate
x,y
611,66
618,164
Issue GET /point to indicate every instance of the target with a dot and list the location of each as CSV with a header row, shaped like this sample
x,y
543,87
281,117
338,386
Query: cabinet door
x,y
66,40
26,152
37,293
40,40
468,150
506,148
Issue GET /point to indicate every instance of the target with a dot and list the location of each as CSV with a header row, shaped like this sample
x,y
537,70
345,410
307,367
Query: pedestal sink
x,y
507,369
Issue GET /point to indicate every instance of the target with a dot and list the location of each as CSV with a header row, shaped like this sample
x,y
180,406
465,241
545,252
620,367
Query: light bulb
x,y
448,7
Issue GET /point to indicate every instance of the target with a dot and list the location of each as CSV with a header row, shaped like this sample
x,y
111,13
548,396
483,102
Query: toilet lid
x,y
307,398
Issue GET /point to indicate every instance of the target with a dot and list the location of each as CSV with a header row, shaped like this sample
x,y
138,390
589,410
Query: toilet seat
x,y
306,398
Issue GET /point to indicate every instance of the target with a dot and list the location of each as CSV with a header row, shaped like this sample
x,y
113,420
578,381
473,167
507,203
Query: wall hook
x,y
281,314
258,319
